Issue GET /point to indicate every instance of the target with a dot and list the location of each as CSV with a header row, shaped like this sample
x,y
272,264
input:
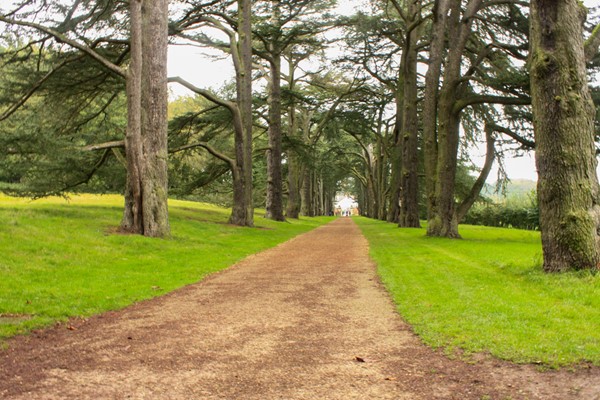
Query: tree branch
x,y
468,201
490,99
524,142
231,106
104,146
210,149
61,38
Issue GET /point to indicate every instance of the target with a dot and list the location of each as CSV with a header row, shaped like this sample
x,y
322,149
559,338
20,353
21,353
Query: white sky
x,y
194,65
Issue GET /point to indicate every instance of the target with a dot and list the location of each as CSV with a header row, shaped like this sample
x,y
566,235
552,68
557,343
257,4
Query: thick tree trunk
x,y
154,117
432,81
146,210
294,178
396,153
564,134
444,221
274,176
133,216
409,194
243,212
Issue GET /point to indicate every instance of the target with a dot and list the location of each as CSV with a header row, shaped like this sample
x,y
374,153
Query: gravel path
x,y
308,319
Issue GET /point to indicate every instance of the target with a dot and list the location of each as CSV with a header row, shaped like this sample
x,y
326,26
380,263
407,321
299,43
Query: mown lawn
x,y
487,293
61,259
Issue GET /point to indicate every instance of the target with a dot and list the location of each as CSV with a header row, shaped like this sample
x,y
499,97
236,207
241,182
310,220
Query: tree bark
x,y
396,151
430,103
444,221
294,201
146,196
409,194
243,212
306,194
155,20
133,216
274,176
564,134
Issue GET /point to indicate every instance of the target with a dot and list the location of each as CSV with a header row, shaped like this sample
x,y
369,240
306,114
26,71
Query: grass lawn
x,y
59,259
487,293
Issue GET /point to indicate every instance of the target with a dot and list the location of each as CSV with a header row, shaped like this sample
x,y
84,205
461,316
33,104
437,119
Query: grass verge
x,y
59,259
487,293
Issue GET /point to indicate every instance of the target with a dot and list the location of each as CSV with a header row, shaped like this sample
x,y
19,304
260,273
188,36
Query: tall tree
x,y
146,193
471,70
237,25
409,167
146,196
568,190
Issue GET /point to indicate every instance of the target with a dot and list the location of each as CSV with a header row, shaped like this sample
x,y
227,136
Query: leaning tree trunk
x,y
564,134
146,209
274,206
243,212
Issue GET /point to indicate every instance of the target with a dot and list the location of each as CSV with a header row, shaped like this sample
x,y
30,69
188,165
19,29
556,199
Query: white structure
x,y
345,205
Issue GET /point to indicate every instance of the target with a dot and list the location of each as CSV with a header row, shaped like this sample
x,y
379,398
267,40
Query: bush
x,y
509,214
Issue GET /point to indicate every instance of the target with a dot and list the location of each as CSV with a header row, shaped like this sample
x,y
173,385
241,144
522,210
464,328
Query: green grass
x,y
59,259
487,293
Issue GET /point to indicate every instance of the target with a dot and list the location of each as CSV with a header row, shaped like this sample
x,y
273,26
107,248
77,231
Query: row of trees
x,y
412,84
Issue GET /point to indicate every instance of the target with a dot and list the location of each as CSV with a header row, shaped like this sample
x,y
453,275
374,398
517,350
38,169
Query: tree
x,y
146,192
471,70
146,195
284,25
568,190
237,26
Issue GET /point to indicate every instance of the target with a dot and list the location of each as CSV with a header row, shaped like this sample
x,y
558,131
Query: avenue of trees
x,y
384,103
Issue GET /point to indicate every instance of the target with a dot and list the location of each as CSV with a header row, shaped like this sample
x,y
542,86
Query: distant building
x,y
345,206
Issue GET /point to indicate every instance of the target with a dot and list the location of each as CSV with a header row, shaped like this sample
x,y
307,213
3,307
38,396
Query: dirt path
x,y
305,320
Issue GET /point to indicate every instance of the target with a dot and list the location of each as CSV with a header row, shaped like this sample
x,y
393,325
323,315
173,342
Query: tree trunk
x,y
146,194
133,216
409,194
444,221
432,81
155,20
396,152
274,177
490,154
306,194
294,201
243,212
564,134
